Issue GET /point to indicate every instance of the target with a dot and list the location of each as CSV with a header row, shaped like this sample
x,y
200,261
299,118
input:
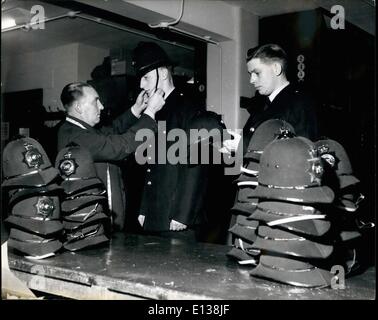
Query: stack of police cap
x,y
84,208
243,235
339,175
344,212
243,230
33,199
247,181
295,238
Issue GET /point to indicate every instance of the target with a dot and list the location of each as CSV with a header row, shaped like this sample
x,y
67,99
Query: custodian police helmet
x,y
26,164
290,170
76,167
148,56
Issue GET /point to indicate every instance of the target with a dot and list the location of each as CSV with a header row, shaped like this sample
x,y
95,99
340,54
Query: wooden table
x,y
147,267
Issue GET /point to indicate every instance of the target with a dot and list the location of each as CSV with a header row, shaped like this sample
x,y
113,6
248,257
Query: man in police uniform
x,y
107,145
173,196
277,98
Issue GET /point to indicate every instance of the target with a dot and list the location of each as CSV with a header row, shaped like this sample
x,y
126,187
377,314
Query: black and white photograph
x,y
204,152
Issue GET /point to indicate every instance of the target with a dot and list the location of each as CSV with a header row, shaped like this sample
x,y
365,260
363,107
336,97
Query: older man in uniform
x,y
107,145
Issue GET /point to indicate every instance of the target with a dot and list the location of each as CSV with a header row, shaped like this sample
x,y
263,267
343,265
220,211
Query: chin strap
x,y
157,80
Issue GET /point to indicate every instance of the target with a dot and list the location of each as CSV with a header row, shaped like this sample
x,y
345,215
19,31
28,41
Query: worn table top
x,y
161,268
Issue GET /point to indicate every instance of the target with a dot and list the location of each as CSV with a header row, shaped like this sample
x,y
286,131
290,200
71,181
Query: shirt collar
x,y
277,91
168,93
77,122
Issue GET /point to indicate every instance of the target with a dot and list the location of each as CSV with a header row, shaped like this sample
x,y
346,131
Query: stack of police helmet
x,y
243,230
344,213
33,199
85,216
295,237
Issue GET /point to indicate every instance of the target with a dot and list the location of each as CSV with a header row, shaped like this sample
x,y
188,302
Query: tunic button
x,y
148,170
164,132
252,129
149,183
149,158
150,146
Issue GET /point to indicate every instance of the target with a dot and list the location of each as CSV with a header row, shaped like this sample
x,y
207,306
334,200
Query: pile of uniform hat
x,y
85,216
298,239
243,230
344,213
33,199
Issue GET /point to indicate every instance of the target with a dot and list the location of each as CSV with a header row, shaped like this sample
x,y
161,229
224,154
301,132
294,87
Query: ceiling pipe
x,y
78,14
193,35
170,25
119,27
166,24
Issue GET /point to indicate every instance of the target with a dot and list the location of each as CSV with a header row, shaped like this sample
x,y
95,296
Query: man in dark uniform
x,y
173,196
277,98
107,145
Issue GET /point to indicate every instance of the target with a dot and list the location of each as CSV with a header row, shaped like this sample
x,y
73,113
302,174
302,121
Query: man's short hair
x,y
72,92
269,53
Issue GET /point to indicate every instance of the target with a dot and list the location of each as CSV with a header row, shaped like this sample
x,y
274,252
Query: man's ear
x,y
277,67
163,73
77,107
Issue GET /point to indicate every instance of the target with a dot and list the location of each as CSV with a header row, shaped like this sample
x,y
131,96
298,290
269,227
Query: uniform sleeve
x,y
113,147
121,124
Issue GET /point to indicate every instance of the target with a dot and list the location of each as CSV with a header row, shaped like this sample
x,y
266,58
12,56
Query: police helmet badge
x,y
32,157
285,133
68,165
45,206
316,169
327,155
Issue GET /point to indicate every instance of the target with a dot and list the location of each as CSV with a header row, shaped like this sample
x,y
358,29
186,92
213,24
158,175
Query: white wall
x,y
232,72
50,69
248,39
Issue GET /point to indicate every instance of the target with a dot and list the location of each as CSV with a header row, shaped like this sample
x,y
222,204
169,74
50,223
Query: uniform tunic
x,y
291,105
173,191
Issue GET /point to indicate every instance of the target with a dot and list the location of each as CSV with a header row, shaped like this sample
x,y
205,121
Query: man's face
x,y
91,106
148,82
262,76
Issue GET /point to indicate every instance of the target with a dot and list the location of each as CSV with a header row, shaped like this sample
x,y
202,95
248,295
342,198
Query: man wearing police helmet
x,y
173,194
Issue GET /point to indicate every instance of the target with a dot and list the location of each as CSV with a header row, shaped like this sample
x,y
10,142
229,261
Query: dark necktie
x,y
267,103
